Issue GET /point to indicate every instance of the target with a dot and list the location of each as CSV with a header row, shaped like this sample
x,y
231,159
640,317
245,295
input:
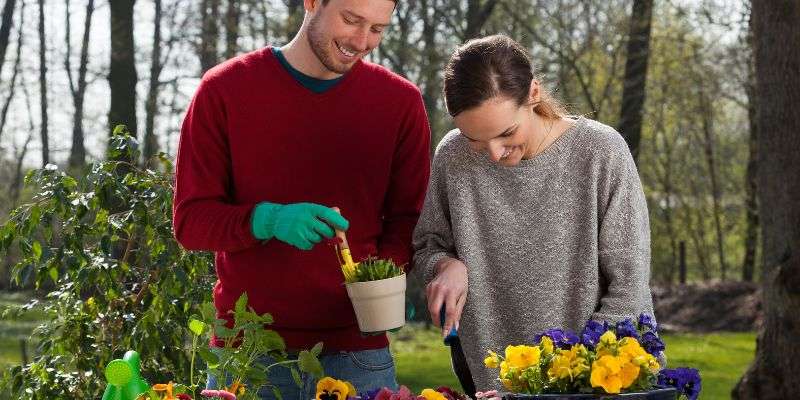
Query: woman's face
x,y
500,127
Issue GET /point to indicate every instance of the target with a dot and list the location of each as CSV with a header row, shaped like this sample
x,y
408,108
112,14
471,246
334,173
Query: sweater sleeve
x,y
406,190
623,239
433,236
205,215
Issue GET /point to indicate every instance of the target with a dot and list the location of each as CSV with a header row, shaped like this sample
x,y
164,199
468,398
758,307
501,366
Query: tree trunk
x,y
16,184
751,178
775,372
43,86
294,19
12,85
77,153
706,109
633,91
431,65
5,29
209,35
151,106
232,28
122,76
477,15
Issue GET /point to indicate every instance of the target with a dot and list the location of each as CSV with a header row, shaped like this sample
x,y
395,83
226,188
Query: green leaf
x,y
211,359
317,349
241,304
224,332
53,271
270,340
277,393
197,327
296,376
256,375
36,248
310,364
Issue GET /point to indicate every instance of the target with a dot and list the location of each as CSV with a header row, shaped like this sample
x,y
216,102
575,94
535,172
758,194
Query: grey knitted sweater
x,y
561,238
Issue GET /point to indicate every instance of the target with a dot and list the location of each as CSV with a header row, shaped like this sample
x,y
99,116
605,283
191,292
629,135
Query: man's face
x,y
344,31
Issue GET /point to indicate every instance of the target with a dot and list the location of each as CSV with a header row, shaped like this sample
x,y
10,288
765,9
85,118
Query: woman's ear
x,y
535,93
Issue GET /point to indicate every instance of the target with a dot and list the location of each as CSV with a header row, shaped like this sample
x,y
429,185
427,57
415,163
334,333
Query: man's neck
x,y
300,56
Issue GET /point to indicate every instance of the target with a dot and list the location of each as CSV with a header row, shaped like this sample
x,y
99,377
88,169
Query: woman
x,y
542,214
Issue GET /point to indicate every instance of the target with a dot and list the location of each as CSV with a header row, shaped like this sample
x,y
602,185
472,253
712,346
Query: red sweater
x,y
251,134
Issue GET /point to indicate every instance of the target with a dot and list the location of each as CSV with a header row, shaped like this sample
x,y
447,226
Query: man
x,y
271,141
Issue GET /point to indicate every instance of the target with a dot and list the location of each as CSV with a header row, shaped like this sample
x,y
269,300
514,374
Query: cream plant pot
x,y
379,305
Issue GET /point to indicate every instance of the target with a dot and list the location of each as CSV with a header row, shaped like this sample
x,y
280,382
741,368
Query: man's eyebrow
x,y
360,18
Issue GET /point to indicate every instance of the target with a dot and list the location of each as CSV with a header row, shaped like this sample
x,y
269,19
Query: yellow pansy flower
x,y
351,390
333,389
546,345
652,363
491,361
606,374
560,367
569,363
430,394
522,356
628,373
504,368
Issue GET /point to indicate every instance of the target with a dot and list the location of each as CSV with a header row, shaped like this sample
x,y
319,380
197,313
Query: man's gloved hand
x,y
301,225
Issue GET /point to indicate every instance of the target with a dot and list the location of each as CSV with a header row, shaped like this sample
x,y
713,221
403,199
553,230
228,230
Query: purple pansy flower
x,y
686,380
646,320
592,332
627,329
652,343
562,339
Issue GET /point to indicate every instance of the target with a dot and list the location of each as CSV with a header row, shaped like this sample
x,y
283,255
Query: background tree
x,y
5,28
775,372
77,155
633,92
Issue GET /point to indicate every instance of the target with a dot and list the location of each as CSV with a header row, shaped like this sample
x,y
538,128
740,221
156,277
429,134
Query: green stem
x,y
281,363
191,365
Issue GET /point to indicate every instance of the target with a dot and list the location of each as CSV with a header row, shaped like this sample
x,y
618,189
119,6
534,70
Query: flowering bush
x,y
333,389
602,359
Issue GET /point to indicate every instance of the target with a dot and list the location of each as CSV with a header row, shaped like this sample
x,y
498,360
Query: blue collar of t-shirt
x,y
313,84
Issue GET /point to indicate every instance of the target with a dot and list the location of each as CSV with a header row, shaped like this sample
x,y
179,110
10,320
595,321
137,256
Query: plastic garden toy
x,y
124,379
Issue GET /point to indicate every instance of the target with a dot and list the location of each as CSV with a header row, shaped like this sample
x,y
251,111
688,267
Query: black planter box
x,y
668,393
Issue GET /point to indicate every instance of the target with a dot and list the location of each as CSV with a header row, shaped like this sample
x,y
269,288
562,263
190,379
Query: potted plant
x,y
605,362
376,287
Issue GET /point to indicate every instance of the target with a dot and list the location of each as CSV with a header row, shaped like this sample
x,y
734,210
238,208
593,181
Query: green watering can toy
x,y
124,378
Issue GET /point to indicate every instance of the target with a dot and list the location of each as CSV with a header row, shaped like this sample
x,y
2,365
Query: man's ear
x,y
311,5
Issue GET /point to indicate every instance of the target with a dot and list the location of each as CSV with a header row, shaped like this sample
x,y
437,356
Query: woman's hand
x,y
449,287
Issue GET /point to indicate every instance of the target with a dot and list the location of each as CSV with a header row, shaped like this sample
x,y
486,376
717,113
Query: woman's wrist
x,y
444,263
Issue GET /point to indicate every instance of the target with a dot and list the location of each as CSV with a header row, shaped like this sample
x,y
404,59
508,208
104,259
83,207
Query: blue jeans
x,y
365,369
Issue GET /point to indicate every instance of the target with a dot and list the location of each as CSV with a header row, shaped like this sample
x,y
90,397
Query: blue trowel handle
x,y
453,334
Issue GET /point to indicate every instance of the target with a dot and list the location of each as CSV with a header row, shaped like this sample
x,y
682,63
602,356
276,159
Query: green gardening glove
x,y
301,225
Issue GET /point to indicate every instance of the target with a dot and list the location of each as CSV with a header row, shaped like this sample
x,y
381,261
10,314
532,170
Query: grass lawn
x,y
423,361
14,330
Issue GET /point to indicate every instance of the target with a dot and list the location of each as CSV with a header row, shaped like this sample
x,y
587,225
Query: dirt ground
x,y
708,307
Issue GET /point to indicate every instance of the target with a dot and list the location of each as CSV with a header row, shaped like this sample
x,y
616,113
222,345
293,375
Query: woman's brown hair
x,y
489,67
